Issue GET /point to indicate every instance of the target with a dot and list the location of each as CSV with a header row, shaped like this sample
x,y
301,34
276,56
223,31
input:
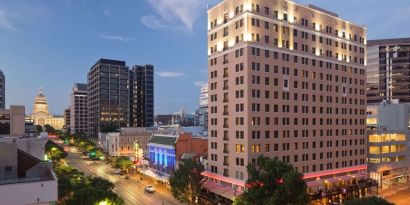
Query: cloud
x,y
170,74
174,12
199,83
4,21
106,12
115,38
153,22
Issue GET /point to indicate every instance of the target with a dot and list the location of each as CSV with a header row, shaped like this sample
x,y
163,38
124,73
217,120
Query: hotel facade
x,y
286,81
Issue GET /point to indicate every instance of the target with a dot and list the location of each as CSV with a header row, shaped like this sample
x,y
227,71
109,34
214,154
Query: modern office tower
x,y
78,109
2,90
286,81
202,109
108,96
388,70
142,95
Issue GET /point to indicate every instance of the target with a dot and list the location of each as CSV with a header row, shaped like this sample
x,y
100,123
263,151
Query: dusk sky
x,y
53,43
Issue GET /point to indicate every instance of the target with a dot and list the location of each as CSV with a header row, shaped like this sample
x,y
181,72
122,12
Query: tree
x,y
124,163
54,151
76,189
186,181
274,182
368,201
48,128
39,129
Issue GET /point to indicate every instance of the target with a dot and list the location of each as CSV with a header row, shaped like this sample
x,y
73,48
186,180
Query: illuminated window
x,y
374,150
240,148
255,148
385,149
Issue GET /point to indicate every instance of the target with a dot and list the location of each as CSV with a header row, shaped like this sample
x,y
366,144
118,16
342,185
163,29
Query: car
x,y
118,171
149,189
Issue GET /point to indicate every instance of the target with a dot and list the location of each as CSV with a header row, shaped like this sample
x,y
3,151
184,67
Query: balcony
x,y
226,113
225,87
226,151
226,138
226,126
226,100
226,164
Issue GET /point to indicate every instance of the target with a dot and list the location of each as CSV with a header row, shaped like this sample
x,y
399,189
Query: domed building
x,y
41,116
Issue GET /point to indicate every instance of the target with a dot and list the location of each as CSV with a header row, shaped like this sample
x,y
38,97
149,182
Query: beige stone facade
x,y
286,81
41,116
12,121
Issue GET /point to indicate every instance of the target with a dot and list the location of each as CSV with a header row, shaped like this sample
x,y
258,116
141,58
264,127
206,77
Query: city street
x,y
400,198
132,190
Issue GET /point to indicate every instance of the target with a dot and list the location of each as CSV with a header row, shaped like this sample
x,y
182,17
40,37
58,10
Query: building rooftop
x,y
388,41
163,140
109,61
322,10
80,86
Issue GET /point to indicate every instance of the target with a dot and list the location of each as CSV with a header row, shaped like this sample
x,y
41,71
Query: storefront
x,y
339,189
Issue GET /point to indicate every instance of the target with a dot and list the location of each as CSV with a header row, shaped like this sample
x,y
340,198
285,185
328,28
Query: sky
x,y
53,43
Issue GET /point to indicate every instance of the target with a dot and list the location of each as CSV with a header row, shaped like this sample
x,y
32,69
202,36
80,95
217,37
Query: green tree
x,y
368,201
39,129
48,128
54,151
186,181
76,189
123,163
274,182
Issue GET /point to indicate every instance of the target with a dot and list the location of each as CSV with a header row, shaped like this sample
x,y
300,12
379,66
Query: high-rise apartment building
x,y
388,70
108,96
2,90
78,109
67,118
142,95
201,111
286,81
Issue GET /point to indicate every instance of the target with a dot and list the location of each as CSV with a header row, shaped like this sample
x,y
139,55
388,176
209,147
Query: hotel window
x,y
267,10
255,148
240,148
267,146
285,17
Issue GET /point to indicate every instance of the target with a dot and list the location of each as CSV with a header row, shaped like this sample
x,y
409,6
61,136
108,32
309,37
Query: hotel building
x,y
286,81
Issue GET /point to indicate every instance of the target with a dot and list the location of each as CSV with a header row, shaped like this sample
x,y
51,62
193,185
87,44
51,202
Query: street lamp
x,y
103,202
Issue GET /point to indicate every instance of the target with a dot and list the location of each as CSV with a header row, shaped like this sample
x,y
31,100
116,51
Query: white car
x,y
117,171
150,189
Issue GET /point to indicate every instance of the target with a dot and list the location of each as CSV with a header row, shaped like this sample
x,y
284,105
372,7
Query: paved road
x,y
132,190
400,198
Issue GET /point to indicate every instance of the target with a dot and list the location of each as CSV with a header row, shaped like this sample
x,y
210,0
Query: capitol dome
x,y
40,103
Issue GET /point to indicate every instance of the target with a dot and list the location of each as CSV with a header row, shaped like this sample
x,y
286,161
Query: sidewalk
x,y
393,190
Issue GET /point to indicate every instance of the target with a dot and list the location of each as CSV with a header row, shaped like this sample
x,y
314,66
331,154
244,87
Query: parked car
x,y
150,189
118,171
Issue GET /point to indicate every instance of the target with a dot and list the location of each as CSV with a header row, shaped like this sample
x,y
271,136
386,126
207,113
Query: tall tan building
x,y
286,81
41,116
